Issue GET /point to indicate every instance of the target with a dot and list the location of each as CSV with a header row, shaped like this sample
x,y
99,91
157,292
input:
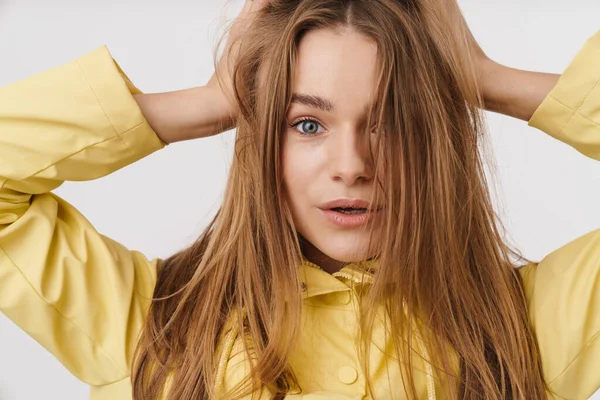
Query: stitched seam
x,y
112,383
83,149
577,111
594,337
588,95
101,106
58,311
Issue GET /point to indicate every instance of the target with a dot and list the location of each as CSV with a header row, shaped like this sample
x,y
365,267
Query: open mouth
x,y
350,217
349,210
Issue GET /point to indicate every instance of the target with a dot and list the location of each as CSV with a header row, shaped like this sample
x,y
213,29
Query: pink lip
x,y
349,220
347,203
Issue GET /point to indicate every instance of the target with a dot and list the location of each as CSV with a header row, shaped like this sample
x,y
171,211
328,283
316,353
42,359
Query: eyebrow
x,y
313,101
318,102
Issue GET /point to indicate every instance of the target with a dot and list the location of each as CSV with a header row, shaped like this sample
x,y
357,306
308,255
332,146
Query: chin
x,y
343,247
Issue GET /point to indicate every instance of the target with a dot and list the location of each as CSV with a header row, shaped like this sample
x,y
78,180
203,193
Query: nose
x,y
350,157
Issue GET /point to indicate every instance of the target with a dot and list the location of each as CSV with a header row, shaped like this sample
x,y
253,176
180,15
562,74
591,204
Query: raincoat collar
x,y
316,281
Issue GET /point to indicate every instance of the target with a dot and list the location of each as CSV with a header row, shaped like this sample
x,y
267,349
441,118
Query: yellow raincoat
x,y
84,297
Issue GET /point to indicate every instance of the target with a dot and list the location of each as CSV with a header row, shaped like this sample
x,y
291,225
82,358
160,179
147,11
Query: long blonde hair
x,y
442,264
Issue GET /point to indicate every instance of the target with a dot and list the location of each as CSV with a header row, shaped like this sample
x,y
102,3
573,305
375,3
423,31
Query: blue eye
x,y
307,127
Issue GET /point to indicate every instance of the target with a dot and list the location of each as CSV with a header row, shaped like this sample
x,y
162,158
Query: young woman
x,y
356,253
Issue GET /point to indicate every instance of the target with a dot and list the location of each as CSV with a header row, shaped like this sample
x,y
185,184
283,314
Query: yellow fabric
x,y
84,297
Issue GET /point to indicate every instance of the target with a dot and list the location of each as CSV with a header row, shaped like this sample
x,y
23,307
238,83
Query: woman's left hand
x,y
505,90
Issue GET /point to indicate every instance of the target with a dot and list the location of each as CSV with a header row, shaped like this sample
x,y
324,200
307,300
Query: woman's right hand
x,y
206,110
222,79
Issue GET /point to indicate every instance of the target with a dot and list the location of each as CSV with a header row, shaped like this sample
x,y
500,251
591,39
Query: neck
x,y
316,256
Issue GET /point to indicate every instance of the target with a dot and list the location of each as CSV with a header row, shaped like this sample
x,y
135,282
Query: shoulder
x,y
563,296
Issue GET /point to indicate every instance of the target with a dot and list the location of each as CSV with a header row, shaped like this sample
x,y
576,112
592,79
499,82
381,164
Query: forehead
x,y
339,65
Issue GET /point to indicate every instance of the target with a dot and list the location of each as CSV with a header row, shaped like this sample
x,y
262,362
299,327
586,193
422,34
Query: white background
x,y
549,194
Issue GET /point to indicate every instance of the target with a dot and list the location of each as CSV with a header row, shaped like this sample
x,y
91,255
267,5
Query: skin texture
x,y
244,263
338,66
334,162
207,110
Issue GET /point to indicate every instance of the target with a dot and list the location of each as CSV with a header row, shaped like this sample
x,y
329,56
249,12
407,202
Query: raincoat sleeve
x,y
563,290
78,293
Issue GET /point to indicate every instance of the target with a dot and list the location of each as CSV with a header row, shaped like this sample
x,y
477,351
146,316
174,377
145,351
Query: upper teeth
x,y
350,210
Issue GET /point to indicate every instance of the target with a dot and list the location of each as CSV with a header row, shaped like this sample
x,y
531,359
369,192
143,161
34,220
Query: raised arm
x,y
205,110
514,92
505,90
564,106
563,290
79,294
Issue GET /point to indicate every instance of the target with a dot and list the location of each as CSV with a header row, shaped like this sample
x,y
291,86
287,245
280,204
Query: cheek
x,y
293,174
301,171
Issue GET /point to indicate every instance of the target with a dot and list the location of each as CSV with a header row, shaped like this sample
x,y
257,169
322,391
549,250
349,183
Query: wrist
x,y
493,85
513,92
186,114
